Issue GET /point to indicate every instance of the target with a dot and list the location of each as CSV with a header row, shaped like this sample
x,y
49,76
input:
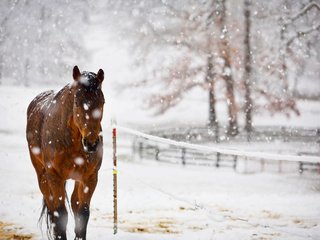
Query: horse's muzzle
x,y
89,147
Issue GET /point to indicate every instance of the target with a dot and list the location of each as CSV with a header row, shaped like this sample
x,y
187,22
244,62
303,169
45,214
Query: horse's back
x,y
35,117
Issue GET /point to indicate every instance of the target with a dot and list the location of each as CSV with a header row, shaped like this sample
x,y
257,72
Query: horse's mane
x,y
89,81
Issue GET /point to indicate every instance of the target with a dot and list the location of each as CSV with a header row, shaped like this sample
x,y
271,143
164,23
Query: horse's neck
x,y
66,99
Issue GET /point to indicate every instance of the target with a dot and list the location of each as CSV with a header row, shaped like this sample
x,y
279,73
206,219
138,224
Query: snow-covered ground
x,y
159,201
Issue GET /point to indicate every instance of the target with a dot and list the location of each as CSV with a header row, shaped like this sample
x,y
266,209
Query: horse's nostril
x,y
89,147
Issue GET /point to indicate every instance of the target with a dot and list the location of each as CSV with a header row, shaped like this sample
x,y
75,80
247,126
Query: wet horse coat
x,y
65,142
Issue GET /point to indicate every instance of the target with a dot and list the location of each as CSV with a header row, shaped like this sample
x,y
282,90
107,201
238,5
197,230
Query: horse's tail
x,y
45,215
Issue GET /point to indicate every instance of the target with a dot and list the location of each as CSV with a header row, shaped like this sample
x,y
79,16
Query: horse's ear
x,y
76,73
100,75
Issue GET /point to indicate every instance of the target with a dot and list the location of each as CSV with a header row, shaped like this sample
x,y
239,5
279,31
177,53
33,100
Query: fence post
x,y
115,172
218,160
300,167
140,150
235,160
183,156
284,134
157,154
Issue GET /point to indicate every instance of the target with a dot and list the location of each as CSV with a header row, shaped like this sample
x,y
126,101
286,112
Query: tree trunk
x,y
283,55
283,75
212,109
213,121
226,71
247,74
210,74
232,109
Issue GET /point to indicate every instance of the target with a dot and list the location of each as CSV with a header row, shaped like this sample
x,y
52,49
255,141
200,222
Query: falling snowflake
x,y
35,150
78,160
96,114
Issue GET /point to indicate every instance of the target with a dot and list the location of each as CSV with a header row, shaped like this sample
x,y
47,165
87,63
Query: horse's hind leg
x,y
80,202
53,191
55,202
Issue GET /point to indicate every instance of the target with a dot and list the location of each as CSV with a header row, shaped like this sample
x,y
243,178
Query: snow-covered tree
x,y
254,51
275,27
40,40
224,47
186,45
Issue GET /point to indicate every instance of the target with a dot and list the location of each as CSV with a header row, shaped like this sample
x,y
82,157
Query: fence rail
x,y
259,134
168,150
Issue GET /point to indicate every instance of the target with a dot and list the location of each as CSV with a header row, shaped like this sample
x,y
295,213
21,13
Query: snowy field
x,y
272,44
160,201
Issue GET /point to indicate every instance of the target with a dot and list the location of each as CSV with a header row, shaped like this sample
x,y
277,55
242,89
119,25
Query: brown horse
x,y
65,142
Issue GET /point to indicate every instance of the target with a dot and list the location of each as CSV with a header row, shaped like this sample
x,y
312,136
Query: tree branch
x,y
301,34
304,11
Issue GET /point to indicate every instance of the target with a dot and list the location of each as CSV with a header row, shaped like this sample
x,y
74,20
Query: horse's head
x,y
88,106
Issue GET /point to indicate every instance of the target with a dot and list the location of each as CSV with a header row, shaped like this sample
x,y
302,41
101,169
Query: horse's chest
x,y
76,166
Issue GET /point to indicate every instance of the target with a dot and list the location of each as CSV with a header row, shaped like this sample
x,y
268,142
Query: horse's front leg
x,y
56,205
80,202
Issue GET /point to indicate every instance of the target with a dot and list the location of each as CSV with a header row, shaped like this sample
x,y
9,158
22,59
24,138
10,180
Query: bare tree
x,y
182,45
210,74
286,42
247,68
224,51
273,65
189,32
